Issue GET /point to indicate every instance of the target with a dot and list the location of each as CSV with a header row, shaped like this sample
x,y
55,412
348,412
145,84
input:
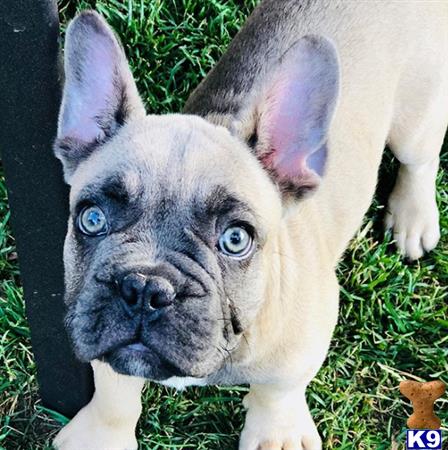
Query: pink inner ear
x,y
91,96
296,112
284,120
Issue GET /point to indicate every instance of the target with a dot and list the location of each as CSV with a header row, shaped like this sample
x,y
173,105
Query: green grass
x,y
394,315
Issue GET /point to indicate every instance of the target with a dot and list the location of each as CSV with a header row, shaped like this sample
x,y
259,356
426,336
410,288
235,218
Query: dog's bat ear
x,y
292,113
99,92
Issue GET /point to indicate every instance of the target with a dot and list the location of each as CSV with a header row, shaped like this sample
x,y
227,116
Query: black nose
x,y
138,290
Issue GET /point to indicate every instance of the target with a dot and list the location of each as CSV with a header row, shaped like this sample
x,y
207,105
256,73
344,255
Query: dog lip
x,y
137,346
132,346
156,366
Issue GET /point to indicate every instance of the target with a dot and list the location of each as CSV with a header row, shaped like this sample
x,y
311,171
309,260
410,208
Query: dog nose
x,y
137,289
159,293
132,287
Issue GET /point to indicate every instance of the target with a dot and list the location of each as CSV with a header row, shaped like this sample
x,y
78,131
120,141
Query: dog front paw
x,y
87,431
285,426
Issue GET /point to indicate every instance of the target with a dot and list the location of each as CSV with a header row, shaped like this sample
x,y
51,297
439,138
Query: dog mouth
x,y
175,345
139,359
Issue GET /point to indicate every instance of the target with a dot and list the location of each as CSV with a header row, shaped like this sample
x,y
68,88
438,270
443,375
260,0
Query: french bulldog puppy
x,y
201,247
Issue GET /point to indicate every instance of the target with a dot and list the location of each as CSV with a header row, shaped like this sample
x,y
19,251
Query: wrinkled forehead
x,y
181,158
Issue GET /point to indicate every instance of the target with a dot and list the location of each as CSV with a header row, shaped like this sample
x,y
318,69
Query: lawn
x,y
394,315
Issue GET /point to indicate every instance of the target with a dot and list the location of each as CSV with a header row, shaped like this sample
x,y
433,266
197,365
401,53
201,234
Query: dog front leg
x,y
278,418
108,422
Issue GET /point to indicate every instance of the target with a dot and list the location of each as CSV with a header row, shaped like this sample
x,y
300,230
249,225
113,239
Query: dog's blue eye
x,y
235,241
92,221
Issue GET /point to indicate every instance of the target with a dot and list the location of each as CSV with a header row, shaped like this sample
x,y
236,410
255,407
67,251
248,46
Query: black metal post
x,y
30,92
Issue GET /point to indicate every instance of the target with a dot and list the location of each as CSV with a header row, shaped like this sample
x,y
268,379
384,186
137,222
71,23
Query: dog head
x,y
174,221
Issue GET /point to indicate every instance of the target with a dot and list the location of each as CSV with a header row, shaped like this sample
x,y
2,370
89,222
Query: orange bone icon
x,y
423,396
